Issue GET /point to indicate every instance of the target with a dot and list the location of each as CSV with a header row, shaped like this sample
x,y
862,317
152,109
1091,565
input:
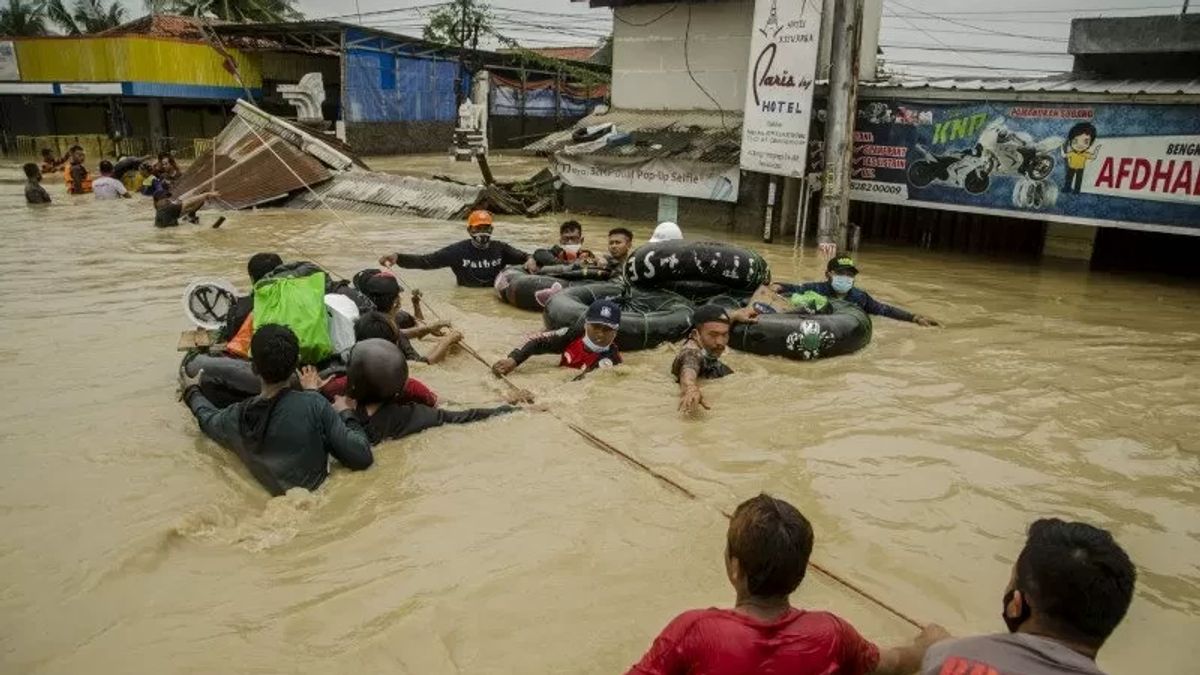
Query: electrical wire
x,y
660,17
979,50
1065,10
933,37
1040,38
687,63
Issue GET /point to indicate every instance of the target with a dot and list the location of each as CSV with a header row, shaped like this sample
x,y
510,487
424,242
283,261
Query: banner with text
x,y
681,178
783,59
1137,166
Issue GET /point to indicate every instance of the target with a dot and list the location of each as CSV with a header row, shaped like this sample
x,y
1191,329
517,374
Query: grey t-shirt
x,y
1015,654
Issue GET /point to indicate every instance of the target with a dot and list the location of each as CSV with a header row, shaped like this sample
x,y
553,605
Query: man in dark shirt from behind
x,y
1070,587
475,261
377,373
284,437
34,192
259,266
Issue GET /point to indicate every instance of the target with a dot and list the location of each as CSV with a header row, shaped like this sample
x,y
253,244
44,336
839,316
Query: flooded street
x,y
134,544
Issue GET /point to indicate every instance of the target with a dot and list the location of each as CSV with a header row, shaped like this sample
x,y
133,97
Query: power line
x,y
974,27
937,64
948,31
978,50
687,63
382,12
656,19
933,37
1065,10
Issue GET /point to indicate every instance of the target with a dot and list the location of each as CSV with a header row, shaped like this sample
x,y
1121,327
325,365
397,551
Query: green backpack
x,y
294,296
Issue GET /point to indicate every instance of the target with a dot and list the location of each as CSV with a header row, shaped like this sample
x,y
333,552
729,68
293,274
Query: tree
x,y
88,16
459,23
243,11
21,18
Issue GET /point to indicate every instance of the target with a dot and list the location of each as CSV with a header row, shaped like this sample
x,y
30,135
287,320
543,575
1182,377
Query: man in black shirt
x,y
570,241
475,261
700,356
168,211
377,373
284,437
259,266
34,192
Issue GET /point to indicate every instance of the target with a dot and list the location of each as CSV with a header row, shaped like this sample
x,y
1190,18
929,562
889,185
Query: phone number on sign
x,y
894,189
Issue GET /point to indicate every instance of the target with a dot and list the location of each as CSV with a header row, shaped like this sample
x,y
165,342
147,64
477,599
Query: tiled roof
x,y
164,25
564,53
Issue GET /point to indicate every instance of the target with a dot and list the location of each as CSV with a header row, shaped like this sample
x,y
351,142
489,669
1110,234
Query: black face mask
x,y
1014,623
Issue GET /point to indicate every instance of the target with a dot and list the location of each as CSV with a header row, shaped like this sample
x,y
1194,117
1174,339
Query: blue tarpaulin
x,y
382,86
539,102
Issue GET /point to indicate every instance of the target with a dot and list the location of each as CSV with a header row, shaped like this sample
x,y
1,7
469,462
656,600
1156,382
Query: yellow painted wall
x,y
130,59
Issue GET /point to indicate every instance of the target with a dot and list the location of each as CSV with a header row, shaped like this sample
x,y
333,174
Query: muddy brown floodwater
x,y
133,544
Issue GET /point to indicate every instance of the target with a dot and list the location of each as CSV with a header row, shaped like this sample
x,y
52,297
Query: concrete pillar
x,y
158,124
1069,241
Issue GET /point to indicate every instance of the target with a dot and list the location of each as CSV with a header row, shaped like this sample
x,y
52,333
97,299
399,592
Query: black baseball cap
x,y
841,263
709,314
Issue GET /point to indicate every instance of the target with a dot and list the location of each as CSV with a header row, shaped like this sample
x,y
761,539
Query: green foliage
x,y
447,25
243,11
87,16
19,18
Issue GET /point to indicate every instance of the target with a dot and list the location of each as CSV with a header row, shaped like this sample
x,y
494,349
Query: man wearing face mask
x,y
588,348
700,356
570,241
839,283
475,261
1070,588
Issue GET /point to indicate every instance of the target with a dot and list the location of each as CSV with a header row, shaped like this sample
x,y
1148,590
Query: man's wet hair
x,y
106,166
261,264
31,170
375,325
623,231
1077,579
76,147
772,542
275,353
570,226
47,152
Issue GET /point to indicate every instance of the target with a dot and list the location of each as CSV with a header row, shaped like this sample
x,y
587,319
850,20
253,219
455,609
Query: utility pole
x,y
839,125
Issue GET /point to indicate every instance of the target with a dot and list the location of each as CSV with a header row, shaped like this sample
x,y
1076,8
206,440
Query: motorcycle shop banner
x,y
682,178
783,59
1137,166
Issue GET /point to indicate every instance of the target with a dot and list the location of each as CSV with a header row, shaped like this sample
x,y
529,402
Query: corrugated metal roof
x,y
701,135
386,194
1068,83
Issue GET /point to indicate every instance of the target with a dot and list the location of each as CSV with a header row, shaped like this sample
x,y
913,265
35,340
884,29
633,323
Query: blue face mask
x,y
841,283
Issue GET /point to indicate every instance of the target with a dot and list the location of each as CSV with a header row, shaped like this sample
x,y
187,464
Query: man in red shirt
x,y
766,556
584,348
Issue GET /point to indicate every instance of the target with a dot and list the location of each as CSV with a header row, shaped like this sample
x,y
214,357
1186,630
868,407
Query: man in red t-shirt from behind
x,y
766,555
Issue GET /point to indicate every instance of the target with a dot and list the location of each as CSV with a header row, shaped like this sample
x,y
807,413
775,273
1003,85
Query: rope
x,y
587,435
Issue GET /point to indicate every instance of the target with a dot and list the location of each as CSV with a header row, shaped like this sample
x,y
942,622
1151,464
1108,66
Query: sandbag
x,y
291,298
731,267
532,292
648,318
805,337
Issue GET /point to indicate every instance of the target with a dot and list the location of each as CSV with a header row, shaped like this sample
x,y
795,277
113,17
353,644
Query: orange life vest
x,y
239,345
87,180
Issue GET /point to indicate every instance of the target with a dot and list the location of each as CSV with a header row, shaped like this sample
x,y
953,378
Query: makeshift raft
x,y
244,165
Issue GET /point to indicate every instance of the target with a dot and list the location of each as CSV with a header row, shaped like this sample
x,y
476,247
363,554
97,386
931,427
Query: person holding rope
x,y
475,261
376,376
168,211
584,348
1070,588
565,252
767,550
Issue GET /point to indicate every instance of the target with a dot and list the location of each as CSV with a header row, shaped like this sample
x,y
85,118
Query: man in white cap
x,y
666,231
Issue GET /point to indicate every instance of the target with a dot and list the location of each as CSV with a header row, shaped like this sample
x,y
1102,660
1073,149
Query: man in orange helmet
x,y
475,261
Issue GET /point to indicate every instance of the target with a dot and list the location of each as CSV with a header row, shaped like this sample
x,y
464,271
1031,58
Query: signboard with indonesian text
x,y
783,58
678,177
1134,166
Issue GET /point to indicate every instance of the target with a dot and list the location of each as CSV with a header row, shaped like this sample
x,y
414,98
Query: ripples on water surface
x,y
134,545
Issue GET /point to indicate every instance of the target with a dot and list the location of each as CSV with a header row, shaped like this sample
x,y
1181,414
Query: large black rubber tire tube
x,y
803,337
732,267
648,318
531,292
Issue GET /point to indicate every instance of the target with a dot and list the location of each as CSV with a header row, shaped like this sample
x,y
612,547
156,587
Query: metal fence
x,y
102,146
